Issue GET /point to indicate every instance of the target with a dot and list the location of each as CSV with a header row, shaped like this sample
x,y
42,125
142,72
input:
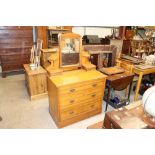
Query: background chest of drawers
x,y
15,45
75,95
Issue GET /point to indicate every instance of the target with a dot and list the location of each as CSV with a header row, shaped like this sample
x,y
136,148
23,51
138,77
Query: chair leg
x,y
106,107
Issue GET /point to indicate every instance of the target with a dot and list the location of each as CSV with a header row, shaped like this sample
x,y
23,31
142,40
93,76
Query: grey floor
x,y
17,111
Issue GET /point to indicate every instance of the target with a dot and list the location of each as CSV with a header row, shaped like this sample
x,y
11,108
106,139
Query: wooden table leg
x,y
138,86
106,122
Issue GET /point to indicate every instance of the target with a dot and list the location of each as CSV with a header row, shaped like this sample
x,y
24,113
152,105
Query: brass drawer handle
x,y
93,95
72,101
72,112
72,90
94,85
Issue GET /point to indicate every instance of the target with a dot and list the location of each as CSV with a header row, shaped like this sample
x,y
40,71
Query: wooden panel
x,y
16,40
37,84
15,27
15,33
15,45
42,34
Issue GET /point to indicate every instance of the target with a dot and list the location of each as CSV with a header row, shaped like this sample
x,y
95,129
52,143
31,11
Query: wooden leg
x,y
106,122
108,98
138,86
3,75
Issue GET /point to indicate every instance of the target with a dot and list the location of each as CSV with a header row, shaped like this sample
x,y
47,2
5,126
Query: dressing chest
x,y
75,95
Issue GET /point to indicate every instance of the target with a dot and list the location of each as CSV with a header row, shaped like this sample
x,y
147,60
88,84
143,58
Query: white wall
x,y
100,31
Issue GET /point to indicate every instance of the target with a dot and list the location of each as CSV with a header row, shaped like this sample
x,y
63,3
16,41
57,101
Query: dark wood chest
x,y
15,46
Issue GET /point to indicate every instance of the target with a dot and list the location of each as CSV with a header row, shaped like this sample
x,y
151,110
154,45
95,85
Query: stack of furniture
x,y
97,51
15,45
75,88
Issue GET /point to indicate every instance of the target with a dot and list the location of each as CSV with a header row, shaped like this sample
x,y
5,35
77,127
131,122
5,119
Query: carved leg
x,y
138,86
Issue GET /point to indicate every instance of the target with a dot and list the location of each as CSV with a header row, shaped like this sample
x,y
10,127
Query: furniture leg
x,y
138,86
129,91
108,96
106,122
3,75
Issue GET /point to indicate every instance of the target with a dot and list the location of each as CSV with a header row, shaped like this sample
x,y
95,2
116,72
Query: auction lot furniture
x,y
36,82
15,45
129,117
140,72
118,82
75,88
97,52
75,95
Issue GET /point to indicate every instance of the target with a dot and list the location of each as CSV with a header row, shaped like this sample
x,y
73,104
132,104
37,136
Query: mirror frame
x,y
69,36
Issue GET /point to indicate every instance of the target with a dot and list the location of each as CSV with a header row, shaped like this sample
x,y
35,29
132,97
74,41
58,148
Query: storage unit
x,y
36,82
75,95
15,45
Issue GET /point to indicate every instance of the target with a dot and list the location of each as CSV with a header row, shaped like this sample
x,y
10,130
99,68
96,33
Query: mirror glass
x,y
70,51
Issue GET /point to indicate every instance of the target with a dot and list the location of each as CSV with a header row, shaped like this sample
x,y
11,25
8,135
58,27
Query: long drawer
x,y
80,100
78,87
77,110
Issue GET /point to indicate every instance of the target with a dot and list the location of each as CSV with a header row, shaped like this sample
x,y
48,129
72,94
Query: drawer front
x,y
73,112
80,99
80,87
10,67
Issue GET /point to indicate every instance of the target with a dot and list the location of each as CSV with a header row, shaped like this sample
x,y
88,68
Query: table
x,y
129,117
140,73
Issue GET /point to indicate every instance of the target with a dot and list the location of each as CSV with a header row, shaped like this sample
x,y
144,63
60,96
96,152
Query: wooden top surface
x,y
119,76
144,67
112,70
76,76
39,70
49,50
129,117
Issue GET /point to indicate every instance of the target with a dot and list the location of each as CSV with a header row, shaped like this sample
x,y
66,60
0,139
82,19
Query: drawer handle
x,y
72,90
72,112
72,101
93,95
94,85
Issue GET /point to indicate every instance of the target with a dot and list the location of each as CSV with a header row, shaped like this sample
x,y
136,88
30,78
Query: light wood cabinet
x,y
75,95
36,82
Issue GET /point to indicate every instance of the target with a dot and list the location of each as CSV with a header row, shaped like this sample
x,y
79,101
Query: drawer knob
x,y
94,85
93,95
71,112
72,90
72,101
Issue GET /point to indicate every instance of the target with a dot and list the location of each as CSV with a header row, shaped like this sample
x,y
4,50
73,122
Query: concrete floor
x,y
17,111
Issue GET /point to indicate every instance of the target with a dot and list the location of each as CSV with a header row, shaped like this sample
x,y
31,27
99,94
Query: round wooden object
x,y
150,121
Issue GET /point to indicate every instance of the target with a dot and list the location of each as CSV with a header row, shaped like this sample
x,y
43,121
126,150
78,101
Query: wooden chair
x,y
118,82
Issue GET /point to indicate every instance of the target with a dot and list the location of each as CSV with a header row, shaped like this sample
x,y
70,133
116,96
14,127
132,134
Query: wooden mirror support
x,y
70,55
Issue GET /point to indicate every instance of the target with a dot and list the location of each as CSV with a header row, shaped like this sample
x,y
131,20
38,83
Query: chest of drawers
x,y
75,95
15,47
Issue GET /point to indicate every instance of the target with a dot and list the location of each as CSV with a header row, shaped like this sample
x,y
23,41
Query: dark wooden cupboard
x,y
15,46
